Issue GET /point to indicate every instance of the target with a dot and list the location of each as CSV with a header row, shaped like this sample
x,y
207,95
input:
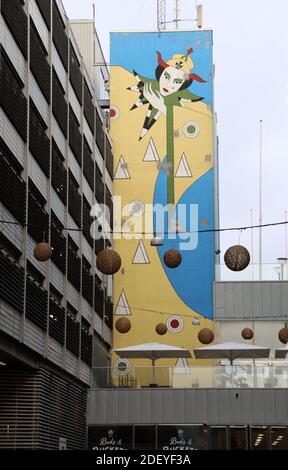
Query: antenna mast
x,y
177,11
161,14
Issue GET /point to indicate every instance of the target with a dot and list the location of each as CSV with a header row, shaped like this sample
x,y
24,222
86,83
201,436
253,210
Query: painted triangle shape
x,y
151,154
141,256
181,366
122,307
122,172
183,170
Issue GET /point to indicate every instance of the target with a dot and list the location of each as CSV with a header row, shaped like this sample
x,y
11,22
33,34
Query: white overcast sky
x,y
250,54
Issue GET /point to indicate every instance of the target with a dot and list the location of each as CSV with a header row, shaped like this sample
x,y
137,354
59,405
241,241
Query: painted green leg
x,y
170,154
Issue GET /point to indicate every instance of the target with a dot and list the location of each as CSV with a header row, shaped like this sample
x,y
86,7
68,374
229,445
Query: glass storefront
x,y
187,437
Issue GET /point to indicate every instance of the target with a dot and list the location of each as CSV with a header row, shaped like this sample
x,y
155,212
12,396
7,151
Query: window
x,y
72,330
86,342
39,142
59,173
59,104
75,136
16,20
45,8
60,38
75,74
38,62
75,200
58,242
74,264
88,165
38,219
88,107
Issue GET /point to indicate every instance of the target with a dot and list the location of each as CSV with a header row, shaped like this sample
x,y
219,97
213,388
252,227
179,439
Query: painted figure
x,y
173,78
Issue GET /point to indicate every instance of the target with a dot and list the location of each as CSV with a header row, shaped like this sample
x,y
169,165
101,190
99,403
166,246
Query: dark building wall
x,y
39,407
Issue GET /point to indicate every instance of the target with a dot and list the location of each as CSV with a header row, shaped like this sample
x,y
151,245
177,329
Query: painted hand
x,y
154,98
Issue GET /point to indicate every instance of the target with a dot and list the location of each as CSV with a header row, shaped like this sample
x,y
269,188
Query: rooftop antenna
x,y
177,12
161,14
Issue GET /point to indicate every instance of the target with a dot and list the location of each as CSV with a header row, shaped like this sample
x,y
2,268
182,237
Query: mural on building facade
x,y
163,136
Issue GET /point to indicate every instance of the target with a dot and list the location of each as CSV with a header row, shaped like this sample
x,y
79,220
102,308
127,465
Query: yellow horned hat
x,y
181,62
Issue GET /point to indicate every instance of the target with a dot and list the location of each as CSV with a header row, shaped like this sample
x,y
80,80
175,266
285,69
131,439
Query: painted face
x,y
171,80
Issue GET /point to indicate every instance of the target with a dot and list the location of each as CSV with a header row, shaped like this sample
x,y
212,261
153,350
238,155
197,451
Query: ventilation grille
x,y
12,99
11,282
16,20
38,62
60,38
75,74
75,136
88,107
37,408
45,8
59,104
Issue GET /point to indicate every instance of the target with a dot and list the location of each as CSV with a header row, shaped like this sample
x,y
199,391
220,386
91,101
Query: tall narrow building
x,y
163,129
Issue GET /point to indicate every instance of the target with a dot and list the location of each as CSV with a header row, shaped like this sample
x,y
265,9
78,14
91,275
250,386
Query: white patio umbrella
x,y
231,351
153,351
281,353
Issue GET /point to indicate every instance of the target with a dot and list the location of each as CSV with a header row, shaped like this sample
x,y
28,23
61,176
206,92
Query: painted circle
x,y
114,113
191,129
122,366
136,208
175,324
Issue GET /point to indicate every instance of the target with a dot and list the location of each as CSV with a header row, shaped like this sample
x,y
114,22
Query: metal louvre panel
x,y
39,99
87,250
73,100
71,363
38,177
87,191
38,219
11,282
38,62
88,107
75,74
39,21
75,136
99,134
55,352
88,168
86,309
74,233
99,186
34,337
58,136
56,321
107,334
38,407
57,278
10,320
98,324
12,99
87,133
85,372
11,138
87,221
57,206
14,233
109,159
36,303
73,296
17,22
45,8
39,143
60,38
59,173
12,50
59,103
73,336
75,199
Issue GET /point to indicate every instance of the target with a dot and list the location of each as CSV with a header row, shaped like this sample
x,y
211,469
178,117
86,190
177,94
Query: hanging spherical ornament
x,y
43,252
123,325
283,335
247,333
161,329
237,258
206,336
172,258
108,262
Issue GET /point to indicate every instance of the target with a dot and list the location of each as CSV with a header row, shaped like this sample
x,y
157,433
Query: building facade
x,y
162,98
56,165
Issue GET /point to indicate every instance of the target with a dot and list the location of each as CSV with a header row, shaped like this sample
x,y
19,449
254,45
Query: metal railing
x,y
220,376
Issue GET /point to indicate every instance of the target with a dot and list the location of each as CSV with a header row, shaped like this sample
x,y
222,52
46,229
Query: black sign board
x,y
110,437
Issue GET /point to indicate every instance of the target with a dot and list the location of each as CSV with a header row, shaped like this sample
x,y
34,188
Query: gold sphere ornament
x,y
237,258
172,258
123,325
43,252
161,329
108,262
283,335
206,336
247,333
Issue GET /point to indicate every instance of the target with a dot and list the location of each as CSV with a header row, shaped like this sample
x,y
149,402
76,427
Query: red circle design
x,y
174,324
